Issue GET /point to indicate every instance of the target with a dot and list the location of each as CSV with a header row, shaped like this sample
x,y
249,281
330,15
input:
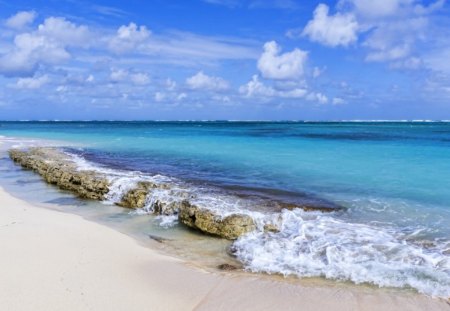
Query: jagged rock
x,y
57,168
230,227
138,198
162,208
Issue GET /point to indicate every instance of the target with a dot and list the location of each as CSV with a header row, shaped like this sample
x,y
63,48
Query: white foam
x,y
167,221
321,245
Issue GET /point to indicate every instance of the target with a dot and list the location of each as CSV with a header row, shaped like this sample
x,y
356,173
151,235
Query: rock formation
x,y
57,168
230,227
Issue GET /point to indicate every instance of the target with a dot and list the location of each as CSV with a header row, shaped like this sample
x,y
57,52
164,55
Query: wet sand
x,y
54,261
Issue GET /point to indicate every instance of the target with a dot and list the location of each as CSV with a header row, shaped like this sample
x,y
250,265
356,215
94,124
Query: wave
x,y
318,245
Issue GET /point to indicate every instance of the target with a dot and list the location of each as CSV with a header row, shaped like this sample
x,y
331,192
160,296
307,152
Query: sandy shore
x,y
56,261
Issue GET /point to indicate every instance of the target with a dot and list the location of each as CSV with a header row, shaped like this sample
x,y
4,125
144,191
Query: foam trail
x,y
312,246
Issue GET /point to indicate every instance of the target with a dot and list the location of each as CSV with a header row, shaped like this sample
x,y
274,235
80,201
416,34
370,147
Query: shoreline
x,y
55,260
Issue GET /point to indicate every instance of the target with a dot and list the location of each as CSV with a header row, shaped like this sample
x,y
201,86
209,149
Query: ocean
x,y
387,185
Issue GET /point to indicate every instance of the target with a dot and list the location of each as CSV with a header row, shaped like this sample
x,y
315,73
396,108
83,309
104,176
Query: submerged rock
x,y
325,207
227,267
230,227
57,168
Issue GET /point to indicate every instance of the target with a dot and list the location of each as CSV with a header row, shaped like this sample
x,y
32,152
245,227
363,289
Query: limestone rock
x,y
230,227
57,168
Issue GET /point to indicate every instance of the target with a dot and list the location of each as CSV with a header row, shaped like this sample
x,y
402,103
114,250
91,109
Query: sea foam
x,y
323,246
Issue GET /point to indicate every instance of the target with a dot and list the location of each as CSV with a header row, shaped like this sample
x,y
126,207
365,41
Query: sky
x,y
224,60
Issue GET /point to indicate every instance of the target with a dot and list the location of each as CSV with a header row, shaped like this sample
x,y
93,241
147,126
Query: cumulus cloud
x,y
32,83
128,38
256,88
392,29
140,78
274,65
118,75
64,32
122,75
45,46
201,81
331,30
21,19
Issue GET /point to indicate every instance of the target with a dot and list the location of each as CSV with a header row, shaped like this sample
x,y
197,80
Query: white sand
x,y
55,261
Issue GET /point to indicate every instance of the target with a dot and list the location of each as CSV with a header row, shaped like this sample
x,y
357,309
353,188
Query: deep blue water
x,y
395,176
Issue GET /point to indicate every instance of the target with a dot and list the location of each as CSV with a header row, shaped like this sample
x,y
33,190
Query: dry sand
x,y
55,261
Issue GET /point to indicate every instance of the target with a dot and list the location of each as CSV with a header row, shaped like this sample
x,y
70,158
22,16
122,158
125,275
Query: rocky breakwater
x,y
58,168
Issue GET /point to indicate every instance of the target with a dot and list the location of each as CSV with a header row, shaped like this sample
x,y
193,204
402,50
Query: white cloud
x,y
118,75
319,97
32,83
181,96
21,19
274,65
122,75
338,101
128,38
205,82
45,46
90,78
295,93
170,84
256,88
64,32
331,30
140,78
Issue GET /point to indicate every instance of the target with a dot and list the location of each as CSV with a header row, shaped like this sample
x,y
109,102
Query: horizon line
x,y
250,120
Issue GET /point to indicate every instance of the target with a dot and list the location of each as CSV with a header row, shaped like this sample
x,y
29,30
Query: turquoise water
x,y
393,180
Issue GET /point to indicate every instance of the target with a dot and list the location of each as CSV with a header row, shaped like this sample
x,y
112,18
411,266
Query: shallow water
x,y
392,179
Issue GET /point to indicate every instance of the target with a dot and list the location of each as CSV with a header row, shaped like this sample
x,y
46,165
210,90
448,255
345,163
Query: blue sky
x,y
225,59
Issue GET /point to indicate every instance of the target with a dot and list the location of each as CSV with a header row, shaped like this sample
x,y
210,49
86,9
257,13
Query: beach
x,y
53,261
